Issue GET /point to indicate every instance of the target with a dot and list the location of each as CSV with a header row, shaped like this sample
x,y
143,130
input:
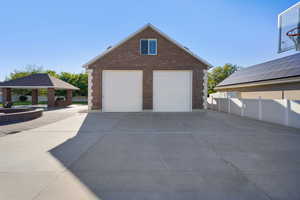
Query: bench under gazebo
x,y
35,82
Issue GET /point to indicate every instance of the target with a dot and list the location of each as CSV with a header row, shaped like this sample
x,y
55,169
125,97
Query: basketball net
x,y
294,35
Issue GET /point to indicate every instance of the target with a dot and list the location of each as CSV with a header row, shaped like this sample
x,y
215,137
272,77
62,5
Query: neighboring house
x,y
276,79
147,71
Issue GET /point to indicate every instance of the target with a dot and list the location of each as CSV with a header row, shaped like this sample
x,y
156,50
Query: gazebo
x,y
36,82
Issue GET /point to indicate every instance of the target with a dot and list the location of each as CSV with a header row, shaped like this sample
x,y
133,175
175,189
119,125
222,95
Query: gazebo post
x,y
34,96
6,95
51,97
69,97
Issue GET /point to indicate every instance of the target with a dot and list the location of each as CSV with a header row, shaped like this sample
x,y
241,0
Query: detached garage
x,y
147,71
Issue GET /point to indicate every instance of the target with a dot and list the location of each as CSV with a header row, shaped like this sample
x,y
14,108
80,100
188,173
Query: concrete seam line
x,y
90,88
67,168
88,150
205,79
238,171
47,185
242,174
163,162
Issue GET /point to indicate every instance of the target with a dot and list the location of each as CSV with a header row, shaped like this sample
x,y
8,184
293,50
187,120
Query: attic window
x,y
148,46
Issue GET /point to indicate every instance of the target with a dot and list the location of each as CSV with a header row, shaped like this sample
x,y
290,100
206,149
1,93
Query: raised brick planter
x,y
62,103
14,115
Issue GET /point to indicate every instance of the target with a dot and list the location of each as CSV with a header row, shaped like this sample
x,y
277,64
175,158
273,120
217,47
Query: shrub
x,y
7,105
23,98
60,99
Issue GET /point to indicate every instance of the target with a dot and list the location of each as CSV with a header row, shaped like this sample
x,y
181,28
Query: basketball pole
x,y
297,45
279,38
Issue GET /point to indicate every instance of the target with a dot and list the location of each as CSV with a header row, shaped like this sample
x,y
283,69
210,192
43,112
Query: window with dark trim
x,y
148,46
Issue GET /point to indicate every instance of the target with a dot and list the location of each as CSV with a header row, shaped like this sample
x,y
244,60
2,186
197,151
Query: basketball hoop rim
x,y
291,34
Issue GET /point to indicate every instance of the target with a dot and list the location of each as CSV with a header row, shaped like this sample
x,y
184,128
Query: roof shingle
x,y
38,80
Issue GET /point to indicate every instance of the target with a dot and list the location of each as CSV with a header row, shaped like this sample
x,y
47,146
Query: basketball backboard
x,y
289,29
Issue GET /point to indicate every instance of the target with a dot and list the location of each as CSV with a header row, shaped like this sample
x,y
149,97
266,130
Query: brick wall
x,y
6,95
51,97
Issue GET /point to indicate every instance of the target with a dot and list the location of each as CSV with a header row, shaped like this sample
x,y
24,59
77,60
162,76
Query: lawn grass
x,y
23,103
80,102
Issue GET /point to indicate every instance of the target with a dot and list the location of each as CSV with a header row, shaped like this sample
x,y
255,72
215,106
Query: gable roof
x,y
135,33
37,81
285,67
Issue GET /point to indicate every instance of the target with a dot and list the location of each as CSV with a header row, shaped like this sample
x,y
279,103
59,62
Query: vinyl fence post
x,y
219,105
242,108
228,100
259,109
287,110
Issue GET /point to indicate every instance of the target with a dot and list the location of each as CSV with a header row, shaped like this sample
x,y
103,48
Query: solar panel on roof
x,y
280,68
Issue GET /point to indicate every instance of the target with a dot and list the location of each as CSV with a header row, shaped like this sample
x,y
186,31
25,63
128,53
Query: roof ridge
x,y
276,59
116,45
50,78
180,45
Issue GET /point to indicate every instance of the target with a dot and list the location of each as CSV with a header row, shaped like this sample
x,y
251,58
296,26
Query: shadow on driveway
x,y
199,155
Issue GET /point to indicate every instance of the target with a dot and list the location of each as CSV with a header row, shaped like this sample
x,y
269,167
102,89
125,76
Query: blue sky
x,y
63,35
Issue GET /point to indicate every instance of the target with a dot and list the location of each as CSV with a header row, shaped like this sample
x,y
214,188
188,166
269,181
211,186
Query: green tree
x,y
218,74
78,80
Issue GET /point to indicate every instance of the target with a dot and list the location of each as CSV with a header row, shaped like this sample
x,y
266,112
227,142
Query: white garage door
x,y
172,91
122,91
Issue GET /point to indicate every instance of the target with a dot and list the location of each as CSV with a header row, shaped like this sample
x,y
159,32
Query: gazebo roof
x,y
38,81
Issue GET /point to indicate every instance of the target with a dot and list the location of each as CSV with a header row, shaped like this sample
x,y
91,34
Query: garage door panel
x,y
122,90
172,91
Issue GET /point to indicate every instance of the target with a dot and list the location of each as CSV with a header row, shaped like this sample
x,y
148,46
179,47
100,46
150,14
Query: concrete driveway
x,y
151,156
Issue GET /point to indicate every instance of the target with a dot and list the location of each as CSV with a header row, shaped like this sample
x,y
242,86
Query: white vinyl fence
x,y
280,111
